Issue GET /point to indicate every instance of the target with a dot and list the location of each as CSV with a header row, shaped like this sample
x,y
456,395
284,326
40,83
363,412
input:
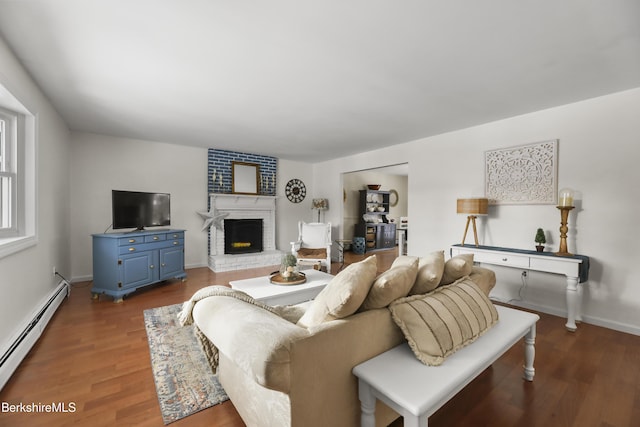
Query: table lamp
x,y
320,205
473,207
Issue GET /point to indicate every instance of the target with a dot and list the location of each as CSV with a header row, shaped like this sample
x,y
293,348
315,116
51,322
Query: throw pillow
x,y
456,268
403,260
343,295
391,285
445,320
430,269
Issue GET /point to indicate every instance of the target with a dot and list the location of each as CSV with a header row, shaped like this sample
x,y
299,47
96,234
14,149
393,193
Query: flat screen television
x,y
136,209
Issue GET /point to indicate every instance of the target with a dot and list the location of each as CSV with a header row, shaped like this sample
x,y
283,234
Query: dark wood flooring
x,y
95,354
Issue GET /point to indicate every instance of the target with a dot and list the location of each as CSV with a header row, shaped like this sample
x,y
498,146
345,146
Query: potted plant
x,y
540,240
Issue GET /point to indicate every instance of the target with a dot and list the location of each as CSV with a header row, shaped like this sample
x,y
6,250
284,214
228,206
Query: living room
x,y
597,136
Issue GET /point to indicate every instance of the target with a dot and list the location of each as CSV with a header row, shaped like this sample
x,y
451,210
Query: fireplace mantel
x,y
240,206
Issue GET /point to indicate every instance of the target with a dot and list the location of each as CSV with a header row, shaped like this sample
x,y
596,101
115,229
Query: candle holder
x,y
564,219
565,204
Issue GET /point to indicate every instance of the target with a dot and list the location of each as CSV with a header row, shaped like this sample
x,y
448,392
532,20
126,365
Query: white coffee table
x,y
263,290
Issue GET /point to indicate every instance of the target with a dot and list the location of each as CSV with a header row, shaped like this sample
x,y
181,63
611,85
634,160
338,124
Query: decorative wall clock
x,y
295,190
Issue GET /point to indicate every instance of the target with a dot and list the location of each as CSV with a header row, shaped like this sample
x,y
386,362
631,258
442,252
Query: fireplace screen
x,y
242,236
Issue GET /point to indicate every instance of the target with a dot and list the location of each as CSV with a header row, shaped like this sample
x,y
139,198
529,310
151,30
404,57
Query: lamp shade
x,y
320,204
473,206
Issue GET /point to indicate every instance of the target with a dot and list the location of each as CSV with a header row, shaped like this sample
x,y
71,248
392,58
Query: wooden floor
x,y
95,354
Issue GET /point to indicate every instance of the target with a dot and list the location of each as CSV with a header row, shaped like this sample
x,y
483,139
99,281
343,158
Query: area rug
x,y
184,381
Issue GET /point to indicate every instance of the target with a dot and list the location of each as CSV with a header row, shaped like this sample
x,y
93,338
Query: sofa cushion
x,y
343,295
456,268
445,320
391,285
430,269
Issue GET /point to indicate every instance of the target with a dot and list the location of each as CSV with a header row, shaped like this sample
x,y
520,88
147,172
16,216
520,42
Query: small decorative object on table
x,y
374,187
289,273
540,240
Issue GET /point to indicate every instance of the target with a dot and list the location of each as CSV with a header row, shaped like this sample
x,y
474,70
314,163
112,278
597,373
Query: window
x,y
18,228
8,173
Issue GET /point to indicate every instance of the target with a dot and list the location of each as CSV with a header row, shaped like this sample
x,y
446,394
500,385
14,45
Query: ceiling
x,y
315,80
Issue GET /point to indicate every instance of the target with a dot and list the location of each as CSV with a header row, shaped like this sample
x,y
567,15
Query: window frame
x,y
9,169
23,232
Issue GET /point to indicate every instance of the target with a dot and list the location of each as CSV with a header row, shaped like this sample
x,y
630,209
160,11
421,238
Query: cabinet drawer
x,y
505,259
177,235
124,241
154,238
174,243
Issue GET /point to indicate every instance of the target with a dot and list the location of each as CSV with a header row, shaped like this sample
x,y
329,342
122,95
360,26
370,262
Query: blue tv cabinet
x,y
124,262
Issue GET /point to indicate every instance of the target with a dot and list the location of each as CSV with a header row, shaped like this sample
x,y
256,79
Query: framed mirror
x,y
244,177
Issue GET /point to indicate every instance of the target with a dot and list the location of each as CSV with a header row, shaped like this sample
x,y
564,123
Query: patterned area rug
x,y
184,381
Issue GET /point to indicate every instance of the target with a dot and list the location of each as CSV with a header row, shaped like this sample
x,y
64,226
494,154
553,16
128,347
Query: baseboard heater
x,y
19,348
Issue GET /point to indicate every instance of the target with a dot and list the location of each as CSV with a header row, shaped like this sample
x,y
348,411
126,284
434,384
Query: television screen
x,y
135,209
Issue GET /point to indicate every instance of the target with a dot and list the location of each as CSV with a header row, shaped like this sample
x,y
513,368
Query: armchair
x,y
313,245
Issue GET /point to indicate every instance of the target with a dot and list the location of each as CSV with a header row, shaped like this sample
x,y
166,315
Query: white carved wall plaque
x,y
527,174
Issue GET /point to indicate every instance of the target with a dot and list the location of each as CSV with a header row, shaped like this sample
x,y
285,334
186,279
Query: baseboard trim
x,y
20,344
592,320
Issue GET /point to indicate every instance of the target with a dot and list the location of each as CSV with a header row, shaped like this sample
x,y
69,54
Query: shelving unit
x,y
377,232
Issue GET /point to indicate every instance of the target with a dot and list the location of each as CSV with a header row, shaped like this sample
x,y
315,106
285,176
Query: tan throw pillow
x,y
430,269
343,295
445,320
391,285
403,260
456,268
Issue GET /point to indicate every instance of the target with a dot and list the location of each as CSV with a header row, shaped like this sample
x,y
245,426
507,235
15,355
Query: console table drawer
x,y
508,260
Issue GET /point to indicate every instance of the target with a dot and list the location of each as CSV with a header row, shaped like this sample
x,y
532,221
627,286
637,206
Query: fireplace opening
x,y
242,236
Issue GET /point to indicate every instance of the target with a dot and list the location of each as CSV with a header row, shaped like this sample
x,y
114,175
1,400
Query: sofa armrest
x,y
257,340
484,278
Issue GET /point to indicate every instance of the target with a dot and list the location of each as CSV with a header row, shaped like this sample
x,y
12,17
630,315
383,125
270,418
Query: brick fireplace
x,y
243,207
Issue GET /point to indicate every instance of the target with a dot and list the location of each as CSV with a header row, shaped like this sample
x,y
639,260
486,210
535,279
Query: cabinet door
x,y
171,262
390,235
138,269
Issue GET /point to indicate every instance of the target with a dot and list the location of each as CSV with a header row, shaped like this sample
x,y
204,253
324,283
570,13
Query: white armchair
x,y
314,244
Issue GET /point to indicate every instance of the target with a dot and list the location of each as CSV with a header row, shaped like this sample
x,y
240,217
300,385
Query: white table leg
x,y
367,405
411,421
572,303
529,353
579,306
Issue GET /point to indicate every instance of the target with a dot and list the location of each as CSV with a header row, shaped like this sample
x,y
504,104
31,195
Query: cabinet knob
x,y
176,243
132,240
163,265
152,266
155,237
132,249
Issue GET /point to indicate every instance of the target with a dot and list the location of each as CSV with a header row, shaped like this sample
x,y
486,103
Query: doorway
x,y
392,178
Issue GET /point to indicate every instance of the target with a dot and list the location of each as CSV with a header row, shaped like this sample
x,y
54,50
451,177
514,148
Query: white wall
x,y
288,214
102,163
27,277
598,155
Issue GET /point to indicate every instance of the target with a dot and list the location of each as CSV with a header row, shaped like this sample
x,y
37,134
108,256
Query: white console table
x,y
575,268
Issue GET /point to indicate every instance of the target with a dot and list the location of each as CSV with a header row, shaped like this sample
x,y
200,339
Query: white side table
x,y
416,391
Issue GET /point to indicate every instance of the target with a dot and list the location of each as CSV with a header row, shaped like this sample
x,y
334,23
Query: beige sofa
x,y
278,373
